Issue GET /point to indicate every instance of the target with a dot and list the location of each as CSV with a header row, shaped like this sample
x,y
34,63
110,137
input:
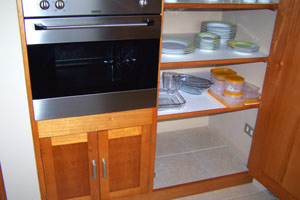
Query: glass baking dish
x,y
168,101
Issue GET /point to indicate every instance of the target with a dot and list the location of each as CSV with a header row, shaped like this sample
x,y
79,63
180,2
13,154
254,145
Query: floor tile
x,y
203,196
169,143
178,169
241,192
200,138
255,196
220,161
231,192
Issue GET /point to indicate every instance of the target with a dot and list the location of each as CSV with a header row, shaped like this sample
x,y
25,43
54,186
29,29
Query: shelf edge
x,y
220,6
205,112
213,62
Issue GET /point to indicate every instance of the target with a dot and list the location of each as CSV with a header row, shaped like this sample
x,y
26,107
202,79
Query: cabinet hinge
x,y
148,182
46,197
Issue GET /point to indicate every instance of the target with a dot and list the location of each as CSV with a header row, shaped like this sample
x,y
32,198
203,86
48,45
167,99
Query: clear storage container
x,y
234,84
217,76
250,91
233,99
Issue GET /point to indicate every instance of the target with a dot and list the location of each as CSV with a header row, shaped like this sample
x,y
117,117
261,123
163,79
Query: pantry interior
x,y
209,144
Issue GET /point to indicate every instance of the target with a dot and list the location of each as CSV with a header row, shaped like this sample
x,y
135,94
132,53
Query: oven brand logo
x,y
96,11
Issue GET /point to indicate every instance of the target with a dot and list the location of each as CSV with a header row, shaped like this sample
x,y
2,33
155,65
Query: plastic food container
x,y
217,76
250,91
234,84
233,99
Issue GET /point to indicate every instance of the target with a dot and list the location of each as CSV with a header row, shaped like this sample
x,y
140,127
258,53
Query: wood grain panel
x,y
81,198
93,156
206,112
84,124
124,132
2,188
145,158
124,164
213,62
49,171
194,187
127,163
103,155
71,170
279,116
291,179
69,139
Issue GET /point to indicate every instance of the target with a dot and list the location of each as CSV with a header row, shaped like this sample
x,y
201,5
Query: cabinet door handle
x,y
104,167
94,170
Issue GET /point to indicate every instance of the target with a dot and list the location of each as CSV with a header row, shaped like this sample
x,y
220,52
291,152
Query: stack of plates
x,y
176,46
242,46
227,31
207,41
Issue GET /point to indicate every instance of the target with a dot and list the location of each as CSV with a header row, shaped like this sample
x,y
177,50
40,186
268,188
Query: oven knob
x,y
59,4
44,5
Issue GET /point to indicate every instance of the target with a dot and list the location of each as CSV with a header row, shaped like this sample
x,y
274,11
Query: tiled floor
x,y
197,154
242,192
192,155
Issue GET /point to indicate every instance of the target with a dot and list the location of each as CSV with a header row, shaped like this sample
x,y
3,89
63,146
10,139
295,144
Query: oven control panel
x,y
49,8
59,4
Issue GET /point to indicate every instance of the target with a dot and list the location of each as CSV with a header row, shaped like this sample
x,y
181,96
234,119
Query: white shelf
x,y
205,56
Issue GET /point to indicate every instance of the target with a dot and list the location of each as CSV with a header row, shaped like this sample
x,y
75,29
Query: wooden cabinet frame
x,y
45,130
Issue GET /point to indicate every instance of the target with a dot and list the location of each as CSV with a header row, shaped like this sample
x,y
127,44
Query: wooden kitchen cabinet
x,y
275,151
71,166
91,156
124,158
274,157
122,139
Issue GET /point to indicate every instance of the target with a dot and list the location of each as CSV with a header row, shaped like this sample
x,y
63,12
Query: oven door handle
x,y
43,27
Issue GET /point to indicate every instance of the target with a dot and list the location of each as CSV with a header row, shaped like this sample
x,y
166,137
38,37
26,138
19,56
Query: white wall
x,y
16,145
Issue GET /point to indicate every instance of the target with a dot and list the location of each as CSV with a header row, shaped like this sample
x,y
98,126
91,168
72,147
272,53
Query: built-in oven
x,y
98,58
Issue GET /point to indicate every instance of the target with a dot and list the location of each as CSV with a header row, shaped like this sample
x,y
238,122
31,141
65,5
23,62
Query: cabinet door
x,y
124,161
70,166
275,151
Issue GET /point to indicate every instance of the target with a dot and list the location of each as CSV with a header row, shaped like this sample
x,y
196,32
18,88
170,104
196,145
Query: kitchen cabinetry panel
x,y
275,150
69,167
84,124
124,161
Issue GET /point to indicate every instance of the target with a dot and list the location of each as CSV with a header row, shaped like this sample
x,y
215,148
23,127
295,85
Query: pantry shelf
x,y
196,105
208,57
221,4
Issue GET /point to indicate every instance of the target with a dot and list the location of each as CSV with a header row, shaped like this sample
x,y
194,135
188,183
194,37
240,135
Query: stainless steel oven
x,y
93,56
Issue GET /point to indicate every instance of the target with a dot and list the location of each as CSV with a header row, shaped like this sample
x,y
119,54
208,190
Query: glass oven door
x,y
92,65
60,70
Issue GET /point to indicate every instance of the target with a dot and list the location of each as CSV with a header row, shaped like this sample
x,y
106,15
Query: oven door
x,y
92,67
